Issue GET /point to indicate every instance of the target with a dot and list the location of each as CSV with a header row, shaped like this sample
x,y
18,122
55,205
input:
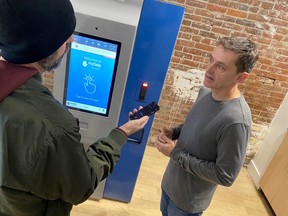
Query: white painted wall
x,y
275,134
123,11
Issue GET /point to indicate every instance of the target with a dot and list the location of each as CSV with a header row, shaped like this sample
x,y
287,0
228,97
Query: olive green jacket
x,y
44,169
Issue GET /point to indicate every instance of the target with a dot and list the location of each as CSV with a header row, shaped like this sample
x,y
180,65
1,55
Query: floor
x,y
241,199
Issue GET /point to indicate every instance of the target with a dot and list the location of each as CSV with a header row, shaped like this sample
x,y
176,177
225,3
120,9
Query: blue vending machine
x,y
118,61
156,36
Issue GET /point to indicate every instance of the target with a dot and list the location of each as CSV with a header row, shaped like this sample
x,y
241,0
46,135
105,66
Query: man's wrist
x,y
120,129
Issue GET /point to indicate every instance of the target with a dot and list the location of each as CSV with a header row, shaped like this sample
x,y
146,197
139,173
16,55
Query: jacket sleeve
x,y
64,170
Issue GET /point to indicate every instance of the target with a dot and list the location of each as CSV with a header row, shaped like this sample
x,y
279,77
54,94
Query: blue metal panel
x,y
155,40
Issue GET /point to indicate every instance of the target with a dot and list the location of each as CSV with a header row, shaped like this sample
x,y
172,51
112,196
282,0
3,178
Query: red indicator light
x,y
143,91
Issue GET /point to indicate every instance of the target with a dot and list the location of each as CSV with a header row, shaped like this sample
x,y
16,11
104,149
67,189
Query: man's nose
x,y
210,67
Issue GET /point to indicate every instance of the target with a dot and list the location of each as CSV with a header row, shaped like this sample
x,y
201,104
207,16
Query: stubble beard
x,y
53,61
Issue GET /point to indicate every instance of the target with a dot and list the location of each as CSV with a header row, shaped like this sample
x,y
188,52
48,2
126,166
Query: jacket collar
x,y
12,76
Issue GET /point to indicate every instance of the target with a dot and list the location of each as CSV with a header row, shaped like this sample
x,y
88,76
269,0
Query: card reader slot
x,y
136,137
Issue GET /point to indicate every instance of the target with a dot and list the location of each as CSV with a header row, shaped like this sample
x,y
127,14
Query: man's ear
x,y
242,77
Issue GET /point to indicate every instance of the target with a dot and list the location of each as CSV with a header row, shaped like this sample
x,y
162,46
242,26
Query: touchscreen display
x,y
91,69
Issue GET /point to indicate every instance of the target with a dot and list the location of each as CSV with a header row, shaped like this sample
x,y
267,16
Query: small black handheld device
x,y
147,110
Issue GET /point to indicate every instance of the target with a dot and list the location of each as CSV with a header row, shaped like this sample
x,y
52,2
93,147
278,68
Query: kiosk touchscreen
x,y
90,74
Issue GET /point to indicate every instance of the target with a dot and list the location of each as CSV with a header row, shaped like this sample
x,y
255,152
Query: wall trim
x,y
254,173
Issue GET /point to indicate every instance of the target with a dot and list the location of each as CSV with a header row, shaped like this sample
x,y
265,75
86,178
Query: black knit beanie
x,y
31,30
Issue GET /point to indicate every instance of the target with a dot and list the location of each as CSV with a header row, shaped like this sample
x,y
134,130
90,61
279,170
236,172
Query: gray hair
x,y
246,50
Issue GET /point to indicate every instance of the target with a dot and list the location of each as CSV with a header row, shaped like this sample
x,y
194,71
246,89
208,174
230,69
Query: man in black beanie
x,y
44,169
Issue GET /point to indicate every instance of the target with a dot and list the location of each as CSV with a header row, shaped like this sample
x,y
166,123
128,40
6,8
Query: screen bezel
x,y
112,83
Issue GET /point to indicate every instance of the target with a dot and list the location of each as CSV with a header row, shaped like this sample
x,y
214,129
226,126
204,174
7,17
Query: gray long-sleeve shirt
x,y
210,151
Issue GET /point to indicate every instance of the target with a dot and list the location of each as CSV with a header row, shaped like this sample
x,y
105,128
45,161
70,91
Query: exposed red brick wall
x,y
265,22
48,80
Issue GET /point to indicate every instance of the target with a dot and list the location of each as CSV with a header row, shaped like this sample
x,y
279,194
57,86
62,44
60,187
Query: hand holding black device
x,y
147,110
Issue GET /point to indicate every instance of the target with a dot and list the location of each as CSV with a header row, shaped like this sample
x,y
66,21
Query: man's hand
x,y
133,126
166,131
164,144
